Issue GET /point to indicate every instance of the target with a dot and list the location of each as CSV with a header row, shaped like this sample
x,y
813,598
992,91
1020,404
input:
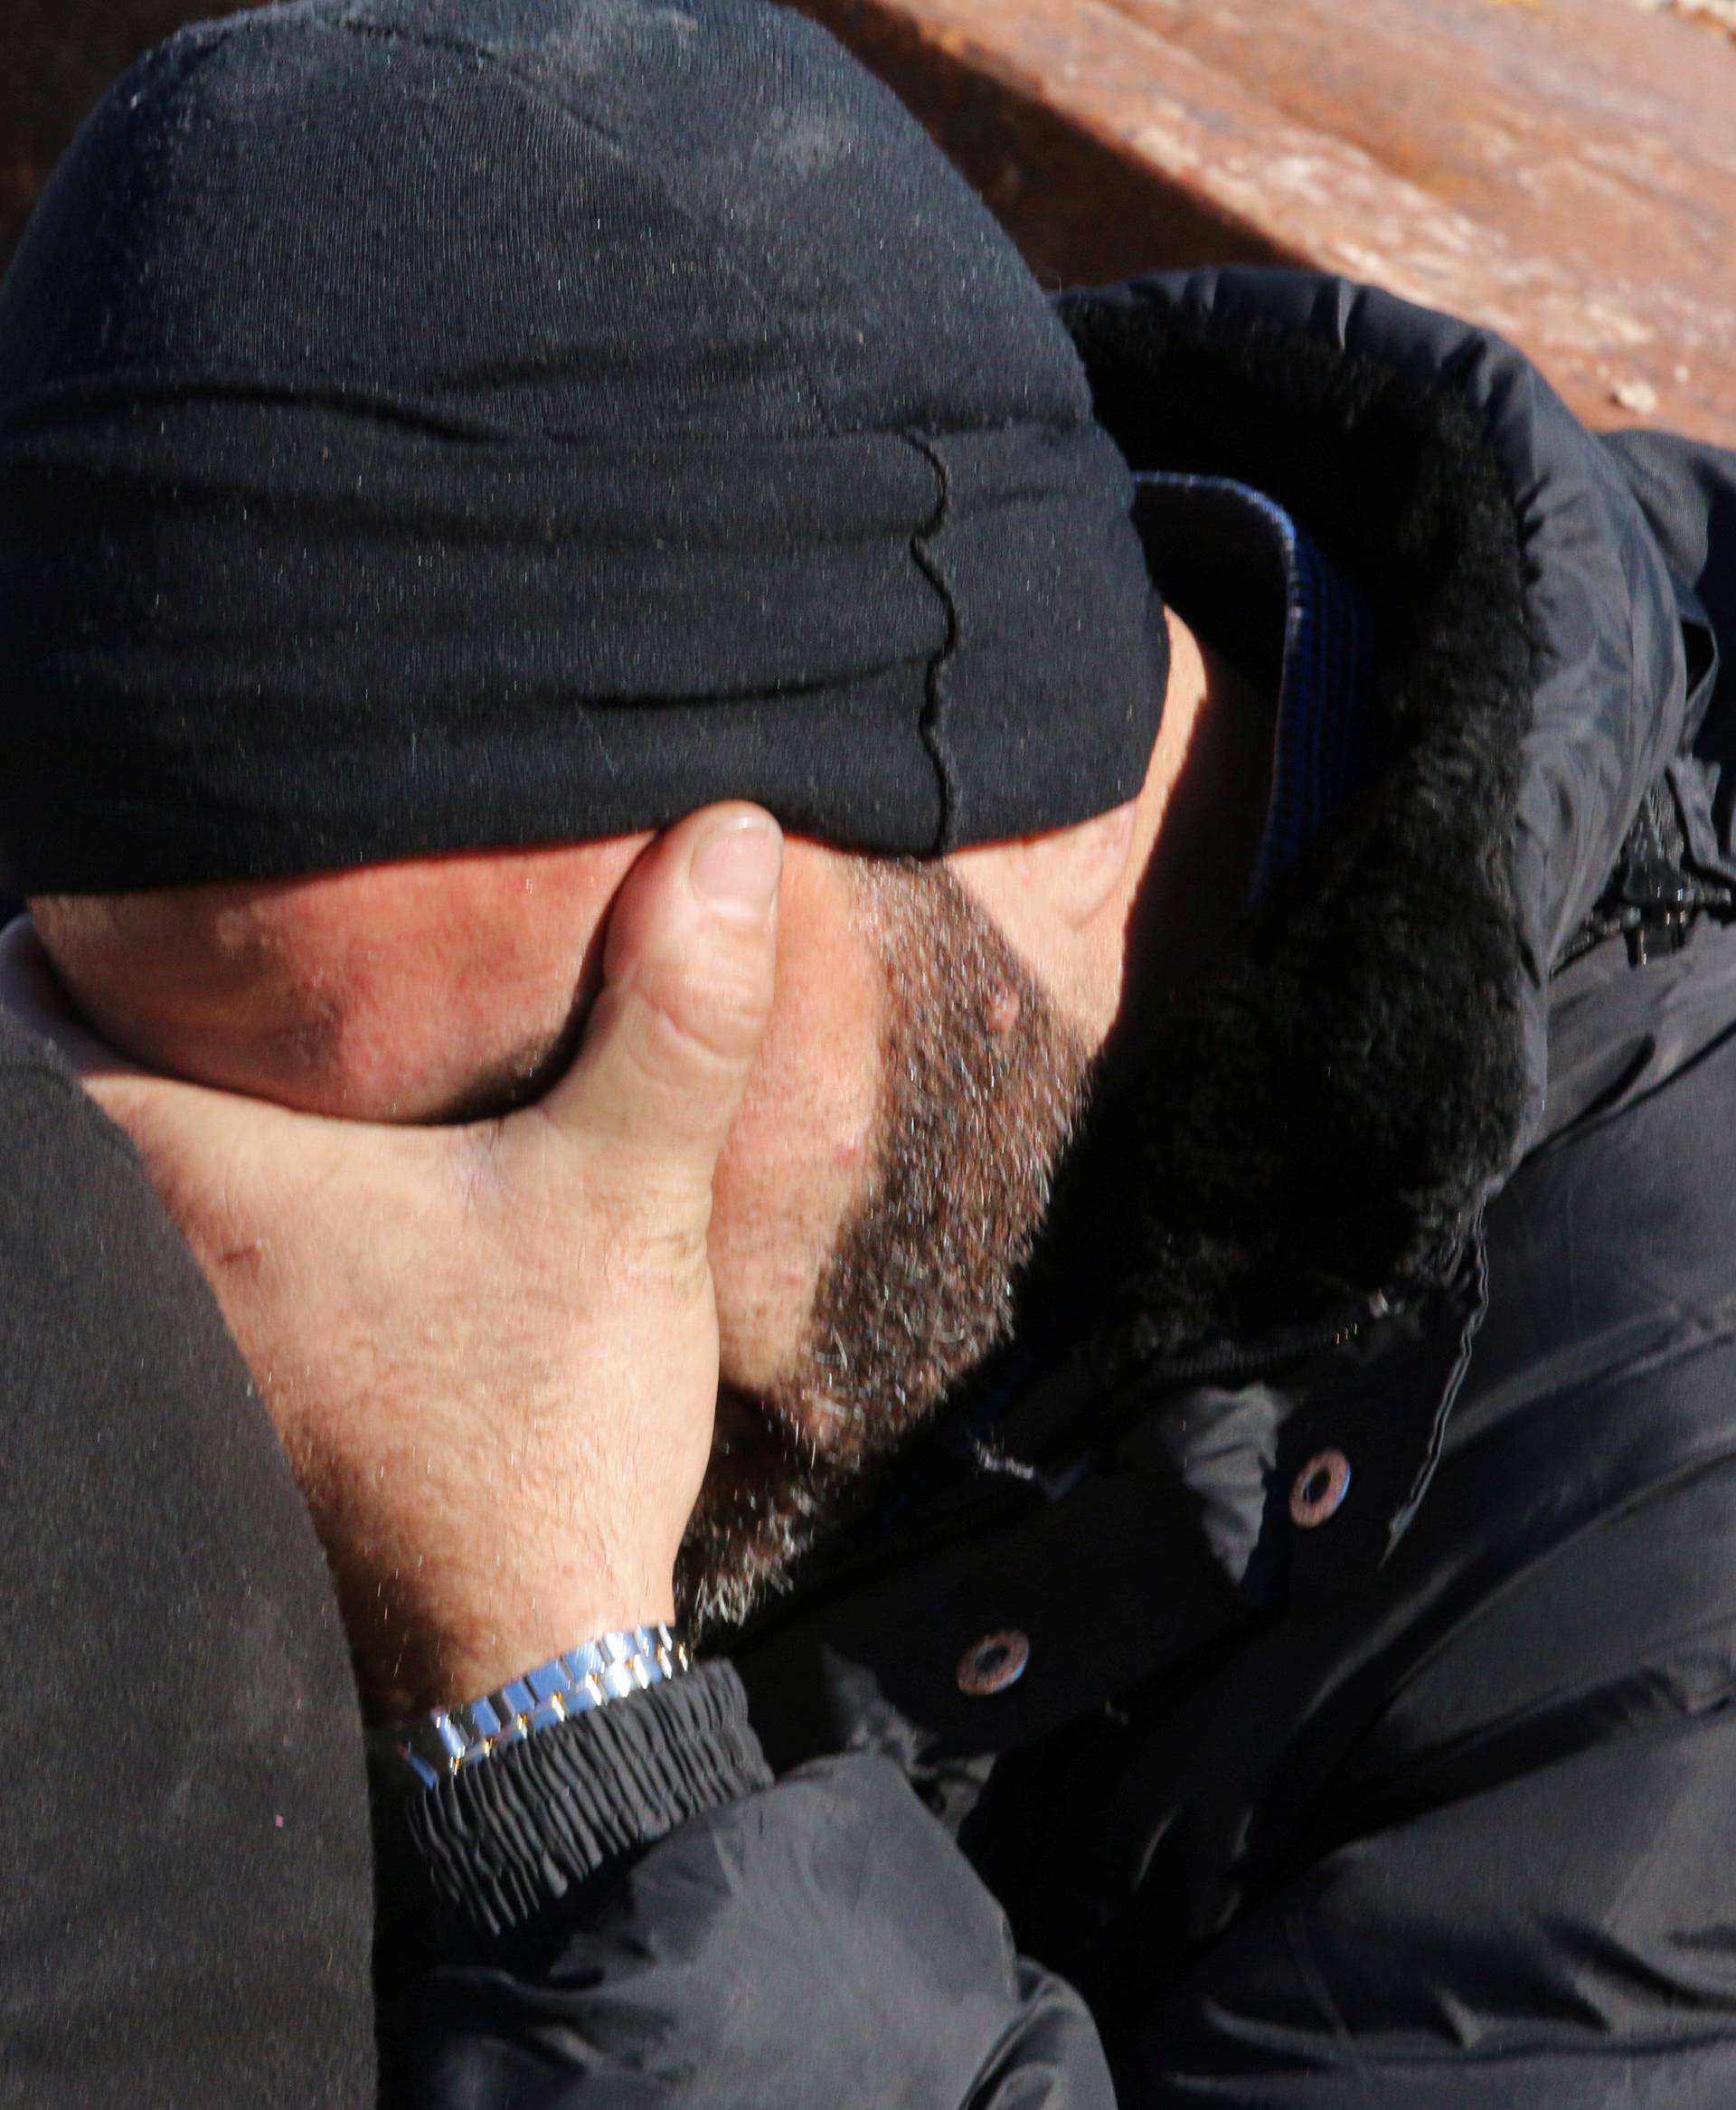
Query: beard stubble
x,y
982,1086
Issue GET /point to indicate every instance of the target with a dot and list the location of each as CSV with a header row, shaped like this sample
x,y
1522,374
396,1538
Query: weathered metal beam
x,y
1564,170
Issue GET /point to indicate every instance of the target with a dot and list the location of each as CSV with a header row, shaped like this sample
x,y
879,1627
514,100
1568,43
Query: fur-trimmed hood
x,y
1367,1063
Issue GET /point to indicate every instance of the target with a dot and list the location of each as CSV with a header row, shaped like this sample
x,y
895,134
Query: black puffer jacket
x,y
1374,1537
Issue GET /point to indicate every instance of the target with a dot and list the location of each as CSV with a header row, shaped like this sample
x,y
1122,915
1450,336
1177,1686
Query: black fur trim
x,y
1330,1106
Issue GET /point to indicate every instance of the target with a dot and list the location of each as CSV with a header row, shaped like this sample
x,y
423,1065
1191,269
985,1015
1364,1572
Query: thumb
x,y
688,967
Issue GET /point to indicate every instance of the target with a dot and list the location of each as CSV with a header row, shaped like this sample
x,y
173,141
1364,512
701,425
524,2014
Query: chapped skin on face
x,y
384,993
883,1181
931,1035
455,986
982,1086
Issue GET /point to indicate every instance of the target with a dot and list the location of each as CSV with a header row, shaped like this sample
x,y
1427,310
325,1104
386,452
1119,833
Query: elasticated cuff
x,y
505,1840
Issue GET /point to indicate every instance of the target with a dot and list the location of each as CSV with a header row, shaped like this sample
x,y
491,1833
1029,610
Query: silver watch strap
x,y
437,1746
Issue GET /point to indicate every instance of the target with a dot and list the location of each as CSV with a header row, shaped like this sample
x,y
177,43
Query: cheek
x,y
796,1167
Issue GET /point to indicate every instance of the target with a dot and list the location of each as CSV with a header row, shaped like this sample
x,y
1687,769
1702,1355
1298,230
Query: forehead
x,y
333,924
369,990
389,991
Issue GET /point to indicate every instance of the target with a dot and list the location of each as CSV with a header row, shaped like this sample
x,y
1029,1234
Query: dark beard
x,y
982,1084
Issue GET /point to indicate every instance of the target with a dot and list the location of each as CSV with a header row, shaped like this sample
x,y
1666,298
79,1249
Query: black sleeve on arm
x,y
185,1914
507,1838
655,1922
1451,1965
1535,1911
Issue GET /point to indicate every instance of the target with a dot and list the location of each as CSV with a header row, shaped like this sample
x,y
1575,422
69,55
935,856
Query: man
x,y
1314,1623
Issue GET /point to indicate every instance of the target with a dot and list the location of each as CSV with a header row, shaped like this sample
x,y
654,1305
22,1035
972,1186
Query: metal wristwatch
x,y
438,1747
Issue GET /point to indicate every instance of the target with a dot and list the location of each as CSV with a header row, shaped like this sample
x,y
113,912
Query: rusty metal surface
x,y
1564,170
1594,144
1083,203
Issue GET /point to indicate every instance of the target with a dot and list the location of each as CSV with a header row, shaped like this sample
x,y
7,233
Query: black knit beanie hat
x,y
430,425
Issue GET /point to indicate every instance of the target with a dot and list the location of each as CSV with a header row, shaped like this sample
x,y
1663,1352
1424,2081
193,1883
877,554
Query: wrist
x,y
446,1741
483,1662
496,1845
451,1627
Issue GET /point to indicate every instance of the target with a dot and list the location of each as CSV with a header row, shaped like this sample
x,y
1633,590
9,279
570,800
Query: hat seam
x,y
923,556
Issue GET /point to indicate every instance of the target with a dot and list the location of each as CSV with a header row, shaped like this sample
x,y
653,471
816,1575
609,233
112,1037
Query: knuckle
x,y
663,1253
694,1031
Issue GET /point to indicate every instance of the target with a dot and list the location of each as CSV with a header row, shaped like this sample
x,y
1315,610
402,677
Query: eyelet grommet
x,y
1318,1491
990,1665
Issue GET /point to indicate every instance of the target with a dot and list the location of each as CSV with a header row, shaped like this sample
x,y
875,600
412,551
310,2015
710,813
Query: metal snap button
x,y
990,1665
1318,1491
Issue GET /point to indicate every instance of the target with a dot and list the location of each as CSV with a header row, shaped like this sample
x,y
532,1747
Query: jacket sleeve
x,y
631,1911
186,1915
1524,1892
1562,1939
1687,492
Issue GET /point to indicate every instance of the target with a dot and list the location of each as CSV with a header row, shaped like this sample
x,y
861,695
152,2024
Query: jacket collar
x,y
1328,1112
